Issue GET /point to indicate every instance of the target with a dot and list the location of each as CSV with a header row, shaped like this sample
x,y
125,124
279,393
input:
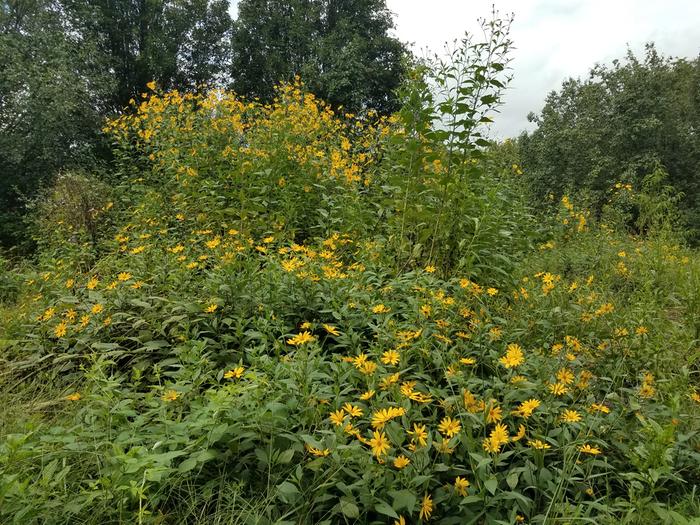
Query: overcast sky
x,y
555,39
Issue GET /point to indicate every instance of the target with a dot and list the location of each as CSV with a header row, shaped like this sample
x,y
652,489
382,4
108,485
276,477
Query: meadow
x,y
284,313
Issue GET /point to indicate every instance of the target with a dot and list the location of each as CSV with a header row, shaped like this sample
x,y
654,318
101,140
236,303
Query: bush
x,y
291,316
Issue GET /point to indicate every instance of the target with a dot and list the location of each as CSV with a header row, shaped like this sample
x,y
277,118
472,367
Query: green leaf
x,y
384,508
188,464
286,456
403,499
287,492
348,507
491,485
512,480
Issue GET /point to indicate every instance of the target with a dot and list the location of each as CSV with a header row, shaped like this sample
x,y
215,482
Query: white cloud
x,y
555,39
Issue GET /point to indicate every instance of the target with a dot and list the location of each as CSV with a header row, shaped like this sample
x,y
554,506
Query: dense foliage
x,y
284,314
341,48
181,44
635,120
66,65
52,95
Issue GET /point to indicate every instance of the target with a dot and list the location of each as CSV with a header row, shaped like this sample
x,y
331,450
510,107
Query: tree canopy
x,y
342,49
51,100
178,43
621,124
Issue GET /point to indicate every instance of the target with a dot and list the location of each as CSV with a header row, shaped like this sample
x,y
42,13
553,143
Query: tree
x,y
67,64
50,104
178,43
622,124
342,49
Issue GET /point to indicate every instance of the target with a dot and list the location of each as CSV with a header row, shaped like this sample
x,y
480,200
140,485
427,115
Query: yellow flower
x,y
170,395
499,434
695,396
352,410
235,373
151,85
368,367
492,291
213,243
400,521
468,361
401,462
520,435
367,395
514,356
317,451
566,376
379,443
391,357
70,283
461,485
350,429
491,446
539,445
494,414
331,329
588,449
419,434
426,508
596,407
570,416
124,276
337,418
384,415
380,309
96,309
92,283
558,389
301,338
449,427
647,391
74,396
211,308
526,408
430,269
60,329
112,285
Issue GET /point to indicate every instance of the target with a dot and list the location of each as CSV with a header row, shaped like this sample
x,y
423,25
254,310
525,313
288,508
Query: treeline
x,y
65,65
634,124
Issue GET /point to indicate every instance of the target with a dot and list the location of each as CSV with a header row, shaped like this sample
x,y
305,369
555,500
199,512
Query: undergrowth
x,y
283,314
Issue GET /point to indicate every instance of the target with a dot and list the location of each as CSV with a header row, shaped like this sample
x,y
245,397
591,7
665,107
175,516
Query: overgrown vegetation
x,y
282,313
66,65
625,123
